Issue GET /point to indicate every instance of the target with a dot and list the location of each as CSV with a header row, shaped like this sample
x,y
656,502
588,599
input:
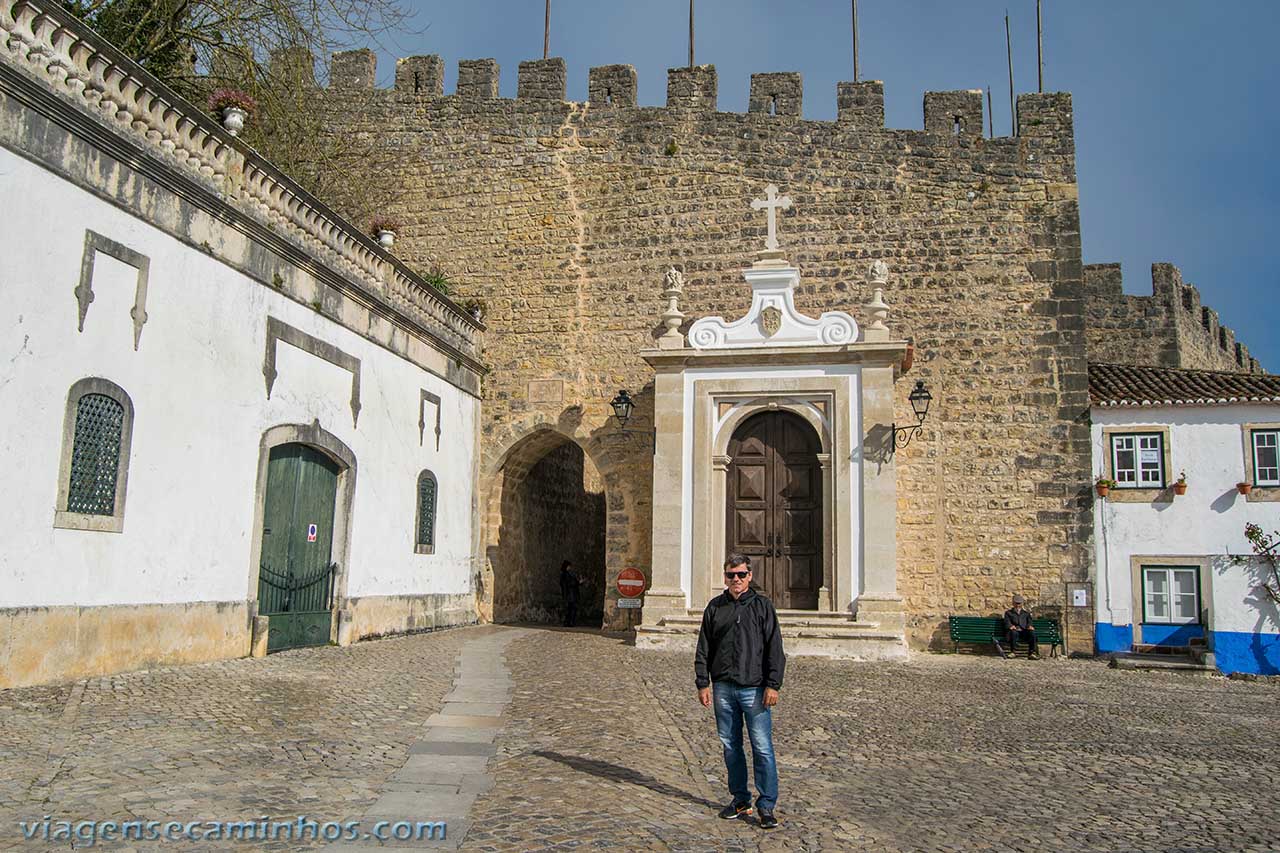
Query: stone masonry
x,y
561,217
1169,328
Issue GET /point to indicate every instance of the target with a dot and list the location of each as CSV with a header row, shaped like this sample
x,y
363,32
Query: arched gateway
x,y
545,503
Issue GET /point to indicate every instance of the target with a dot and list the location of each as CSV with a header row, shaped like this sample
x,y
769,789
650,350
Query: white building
x,y
230,420
1176,569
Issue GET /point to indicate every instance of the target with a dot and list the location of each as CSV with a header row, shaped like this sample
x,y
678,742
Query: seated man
x,y
1017,626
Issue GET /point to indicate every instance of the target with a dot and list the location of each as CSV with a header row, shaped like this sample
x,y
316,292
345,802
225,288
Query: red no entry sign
x,y
630,583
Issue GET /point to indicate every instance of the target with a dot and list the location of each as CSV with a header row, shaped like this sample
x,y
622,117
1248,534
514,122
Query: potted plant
x,y
1244,488
1103,486
232,106
384,228
1180,485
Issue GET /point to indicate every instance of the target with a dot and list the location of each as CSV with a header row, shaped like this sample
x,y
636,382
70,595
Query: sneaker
x,y
767,820
735,810
1033,656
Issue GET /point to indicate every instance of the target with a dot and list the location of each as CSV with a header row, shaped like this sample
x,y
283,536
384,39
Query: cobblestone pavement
x,y
603,746
606,747
311,732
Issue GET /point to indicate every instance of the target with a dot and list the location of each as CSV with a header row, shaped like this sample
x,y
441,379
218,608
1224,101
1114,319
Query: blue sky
x,y
1176,101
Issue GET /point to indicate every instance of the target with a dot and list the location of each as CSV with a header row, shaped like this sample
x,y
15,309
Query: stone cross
x,y
771,203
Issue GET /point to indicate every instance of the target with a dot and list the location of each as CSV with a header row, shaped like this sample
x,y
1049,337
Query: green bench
x,y
989,630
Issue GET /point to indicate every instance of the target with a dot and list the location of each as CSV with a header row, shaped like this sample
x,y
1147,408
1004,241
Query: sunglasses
x,y
733,575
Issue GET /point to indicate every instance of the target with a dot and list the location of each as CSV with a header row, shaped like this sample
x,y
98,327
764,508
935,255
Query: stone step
x,y
1163,663
793,618
851,630
822,615
835,643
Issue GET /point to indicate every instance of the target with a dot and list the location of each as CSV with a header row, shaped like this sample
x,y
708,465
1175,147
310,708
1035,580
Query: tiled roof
x,y
1124,385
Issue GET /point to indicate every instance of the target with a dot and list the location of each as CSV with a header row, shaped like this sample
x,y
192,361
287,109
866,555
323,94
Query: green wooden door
x,y
295,579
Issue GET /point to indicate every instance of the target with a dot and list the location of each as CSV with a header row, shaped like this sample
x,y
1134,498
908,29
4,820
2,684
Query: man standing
x,y
1017,626
740,663
569,584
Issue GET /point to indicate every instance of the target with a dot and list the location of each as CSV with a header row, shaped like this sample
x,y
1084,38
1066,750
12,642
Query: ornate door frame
x,y
825,402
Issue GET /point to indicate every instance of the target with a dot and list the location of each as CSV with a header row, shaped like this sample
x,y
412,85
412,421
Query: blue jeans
x,y
733,704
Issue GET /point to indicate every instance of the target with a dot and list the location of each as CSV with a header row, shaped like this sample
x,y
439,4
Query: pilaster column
x,y
826,593
878,601
666,595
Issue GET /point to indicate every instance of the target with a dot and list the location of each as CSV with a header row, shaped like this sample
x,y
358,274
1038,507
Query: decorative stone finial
x,y
877,308
879,272
673,286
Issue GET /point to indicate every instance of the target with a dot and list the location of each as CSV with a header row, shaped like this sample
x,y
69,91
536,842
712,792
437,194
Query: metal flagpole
x,y
1008,46
546,32
991,119
855,41
690,33
1039,48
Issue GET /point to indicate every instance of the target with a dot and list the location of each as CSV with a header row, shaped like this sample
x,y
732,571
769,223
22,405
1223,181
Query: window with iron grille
x,y
1266,465
426,539
1137,460
96,435
95,455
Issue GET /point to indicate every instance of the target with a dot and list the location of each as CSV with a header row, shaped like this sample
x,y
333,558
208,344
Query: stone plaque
x,y
546,391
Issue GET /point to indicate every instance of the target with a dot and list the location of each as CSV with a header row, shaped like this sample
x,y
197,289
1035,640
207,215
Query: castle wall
x,y
1169,328
562,217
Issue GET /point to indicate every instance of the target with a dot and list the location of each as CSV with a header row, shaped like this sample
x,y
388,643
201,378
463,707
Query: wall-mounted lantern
x,y
623,406
919,399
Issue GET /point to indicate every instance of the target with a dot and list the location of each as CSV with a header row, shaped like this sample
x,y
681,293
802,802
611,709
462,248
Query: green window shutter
x,y
427,509
95,455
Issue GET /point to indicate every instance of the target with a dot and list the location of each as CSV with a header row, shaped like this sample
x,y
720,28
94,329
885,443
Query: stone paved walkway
x,y
590,744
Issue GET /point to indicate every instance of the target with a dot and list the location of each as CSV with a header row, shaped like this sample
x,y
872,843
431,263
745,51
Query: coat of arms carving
x,y
770,320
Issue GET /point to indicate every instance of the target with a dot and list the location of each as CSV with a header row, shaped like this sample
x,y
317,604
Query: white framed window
x,y
1266,457
1170,595
1137,460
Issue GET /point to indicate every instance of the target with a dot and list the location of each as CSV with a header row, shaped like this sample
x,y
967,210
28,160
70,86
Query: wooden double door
x,y
774,513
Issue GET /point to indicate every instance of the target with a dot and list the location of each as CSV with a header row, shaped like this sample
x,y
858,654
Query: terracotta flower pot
x,y
1244,488
1179,488
1102,490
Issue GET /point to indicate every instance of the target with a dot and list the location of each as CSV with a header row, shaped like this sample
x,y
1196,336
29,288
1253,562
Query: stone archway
x,y
545,504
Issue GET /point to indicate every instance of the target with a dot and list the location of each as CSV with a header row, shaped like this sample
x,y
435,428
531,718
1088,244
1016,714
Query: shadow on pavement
x,y
617,773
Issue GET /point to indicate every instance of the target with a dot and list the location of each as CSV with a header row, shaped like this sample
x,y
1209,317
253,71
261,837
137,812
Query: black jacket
x,y
739,642
1014,620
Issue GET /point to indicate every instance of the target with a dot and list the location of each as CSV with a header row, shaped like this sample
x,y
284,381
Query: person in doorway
x,y
570,585
1018,627
739,666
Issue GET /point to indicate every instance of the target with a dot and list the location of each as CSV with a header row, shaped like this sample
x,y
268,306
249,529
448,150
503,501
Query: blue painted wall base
x,y
1234,651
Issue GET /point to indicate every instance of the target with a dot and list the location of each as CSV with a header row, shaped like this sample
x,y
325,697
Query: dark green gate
x,y
296,576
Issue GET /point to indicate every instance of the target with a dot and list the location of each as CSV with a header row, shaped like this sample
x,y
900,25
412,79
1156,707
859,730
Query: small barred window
x,y
426,541
95,455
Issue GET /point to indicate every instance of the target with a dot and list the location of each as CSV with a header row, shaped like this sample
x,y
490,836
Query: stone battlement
x,y
1169,328
779,94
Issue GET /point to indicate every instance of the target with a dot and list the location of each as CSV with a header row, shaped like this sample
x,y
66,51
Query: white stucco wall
x,y
1208,521
201,409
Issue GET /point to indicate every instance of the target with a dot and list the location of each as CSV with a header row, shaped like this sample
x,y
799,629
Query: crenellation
x,y
420,75
612,86
294,65
541,80
1169,328
477,79
777,93
693,88
353,69
861,104
1045,115
957,113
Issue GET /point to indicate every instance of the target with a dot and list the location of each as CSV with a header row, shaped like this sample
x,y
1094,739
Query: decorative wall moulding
x,y
278,330
773,320
95,243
